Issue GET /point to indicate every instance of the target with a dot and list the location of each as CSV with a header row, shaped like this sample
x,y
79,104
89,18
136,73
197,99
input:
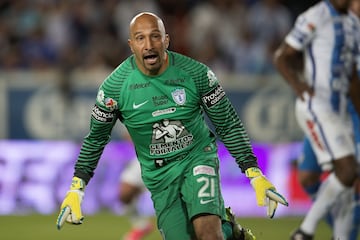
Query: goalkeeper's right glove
x,y
70,210
265,191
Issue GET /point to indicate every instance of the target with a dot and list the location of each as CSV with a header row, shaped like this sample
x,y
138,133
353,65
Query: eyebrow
x,y
153,31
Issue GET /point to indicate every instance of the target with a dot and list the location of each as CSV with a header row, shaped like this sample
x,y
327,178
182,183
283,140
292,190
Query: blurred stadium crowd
x,y
228,35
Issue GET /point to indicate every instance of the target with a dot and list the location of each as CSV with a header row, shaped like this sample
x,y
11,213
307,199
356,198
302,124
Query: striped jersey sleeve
x,y
104,115
228,126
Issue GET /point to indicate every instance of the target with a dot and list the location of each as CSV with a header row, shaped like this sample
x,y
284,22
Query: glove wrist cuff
x,y
253,172
77,184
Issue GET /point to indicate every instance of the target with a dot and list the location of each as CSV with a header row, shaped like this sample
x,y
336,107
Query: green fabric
x,y
227,230
180,95
196,191
174,145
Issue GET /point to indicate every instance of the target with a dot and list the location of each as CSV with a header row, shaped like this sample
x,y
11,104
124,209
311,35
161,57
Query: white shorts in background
x,y
330,134
132,174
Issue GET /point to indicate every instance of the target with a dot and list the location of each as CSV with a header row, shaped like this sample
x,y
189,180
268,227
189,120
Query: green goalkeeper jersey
x,y
164,117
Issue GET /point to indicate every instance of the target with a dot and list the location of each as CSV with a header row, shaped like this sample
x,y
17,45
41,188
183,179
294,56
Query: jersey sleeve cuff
x,y
246,165
84,176
293,43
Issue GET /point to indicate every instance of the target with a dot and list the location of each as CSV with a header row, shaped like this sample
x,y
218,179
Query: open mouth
x,y
151,58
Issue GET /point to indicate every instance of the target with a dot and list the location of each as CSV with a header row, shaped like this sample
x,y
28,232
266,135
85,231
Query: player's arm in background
x,y
289,63
288,58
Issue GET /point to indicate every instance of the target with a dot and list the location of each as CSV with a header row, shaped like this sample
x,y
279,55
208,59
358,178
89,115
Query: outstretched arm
x,y
232,133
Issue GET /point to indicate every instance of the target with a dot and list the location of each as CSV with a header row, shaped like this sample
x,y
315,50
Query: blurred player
x,y
310,172
344,216
326,35
130,189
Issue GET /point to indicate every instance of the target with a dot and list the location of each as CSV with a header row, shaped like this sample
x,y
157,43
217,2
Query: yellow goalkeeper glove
x,y
266,194
70,210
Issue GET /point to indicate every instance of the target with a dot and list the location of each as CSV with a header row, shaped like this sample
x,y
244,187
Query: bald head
x,y
148,41
147,17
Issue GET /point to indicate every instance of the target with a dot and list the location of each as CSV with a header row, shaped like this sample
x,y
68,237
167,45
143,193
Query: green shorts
x,y
196,192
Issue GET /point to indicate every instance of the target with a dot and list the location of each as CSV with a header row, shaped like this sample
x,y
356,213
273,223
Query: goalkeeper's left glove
x,y
70,210
265,191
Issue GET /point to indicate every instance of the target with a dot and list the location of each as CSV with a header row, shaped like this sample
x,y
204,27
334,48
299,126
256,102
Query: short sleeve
x,y
304,30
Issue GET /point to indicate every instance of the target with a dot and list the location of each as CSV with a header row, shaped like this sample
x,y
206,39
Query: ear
x,y
167,41
130,45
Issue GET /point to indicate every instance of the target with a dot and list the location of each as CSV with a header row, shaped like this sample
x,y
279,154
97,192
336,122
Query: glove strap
x,y
77,184
253,172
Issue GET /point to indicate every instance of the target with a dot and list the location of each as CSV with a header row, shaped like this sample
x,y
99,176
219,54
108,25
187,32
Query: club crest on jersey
x,y
179,96
110,103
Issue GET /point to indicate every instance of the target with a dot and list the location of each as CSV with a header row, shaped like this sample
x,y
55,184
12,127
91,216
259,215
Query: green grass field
x,y
107,226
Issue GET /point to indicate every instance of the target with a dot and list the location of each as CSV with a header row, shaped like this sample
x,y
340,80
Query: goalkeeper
x,y
160,96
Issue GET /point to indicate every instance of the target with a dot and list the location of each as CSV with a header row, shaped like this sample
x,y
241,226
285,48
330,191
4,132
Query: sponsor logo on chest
x,y
160,100
135,86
